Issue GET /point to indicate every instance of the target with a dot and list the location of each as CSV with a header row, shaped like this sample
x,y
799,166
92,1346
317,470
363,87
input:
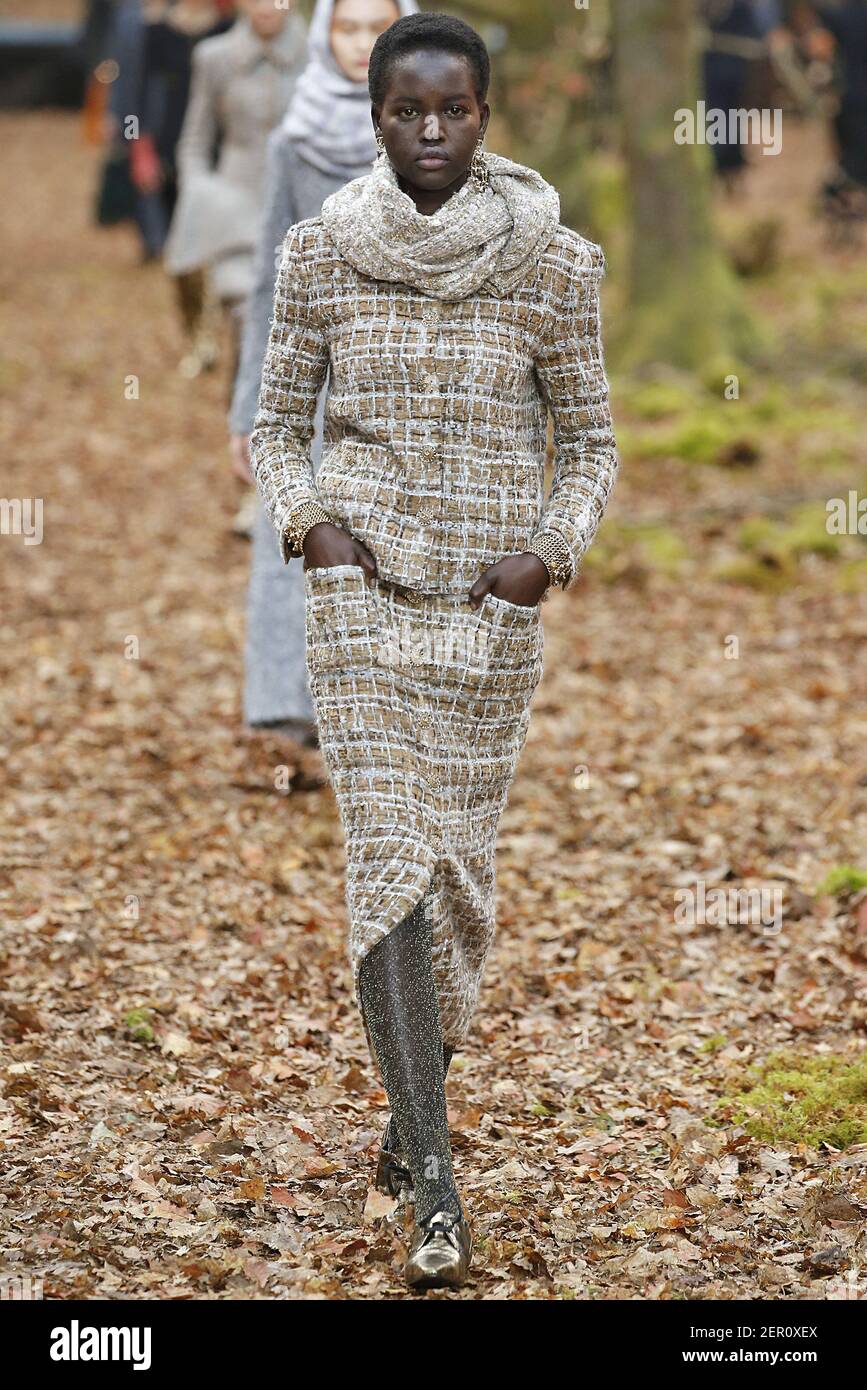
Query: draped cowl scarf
x,y
479,240
329,117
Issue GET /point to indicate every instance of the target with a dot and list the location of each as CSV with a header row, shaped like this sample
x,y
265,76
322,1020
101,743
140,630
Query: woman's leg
x,y
401,1010
275,676
233,311
391,1141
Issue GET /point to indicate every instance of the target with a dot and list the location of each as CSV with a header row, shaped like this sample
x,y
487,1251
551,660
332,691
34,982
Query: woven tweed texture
x,y
423,707
435,428
480,237
435,434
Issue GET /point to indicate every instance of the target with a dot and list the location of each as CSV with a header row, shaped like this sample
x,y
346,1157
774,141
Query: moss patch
x,y
137,1023
802,1100
772,551
804,532
647,547
770,574
841,882
702,436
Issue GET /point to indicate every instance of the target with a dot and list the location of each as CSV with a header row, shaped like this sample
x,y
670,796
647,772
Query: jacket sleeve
x,y
571,370
296,363
277,218
198,139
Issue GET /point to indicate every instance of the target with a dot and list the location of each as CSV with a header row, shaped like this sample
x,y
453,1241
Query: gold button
x,y
426,514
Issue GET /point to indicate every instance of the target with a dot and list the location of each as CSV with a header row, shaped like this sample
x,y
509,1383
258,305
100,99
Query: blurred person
x,y
94,47
119,197
450,308
846,187
735,40
94,43
126,44
768,15
800,53
241,85
171,32
325,140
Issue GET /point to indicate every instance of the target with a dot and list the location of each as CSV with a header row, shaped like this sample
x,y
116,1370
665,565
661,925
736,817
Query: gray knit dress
x,y
275,678
325,141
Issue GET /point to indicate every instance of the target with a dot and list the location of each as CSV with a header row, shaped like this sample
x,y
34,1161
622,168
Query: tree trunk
x,y
684,302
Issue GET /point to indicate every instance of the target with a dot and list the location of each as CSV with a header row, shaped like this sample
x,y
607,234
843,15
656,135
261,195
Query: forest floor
x,y
188,1109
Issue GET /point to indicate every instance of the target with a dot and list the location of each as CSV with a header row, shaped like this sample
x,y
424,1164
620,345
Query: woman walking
x,y
241,84
171,33
325,140
451,308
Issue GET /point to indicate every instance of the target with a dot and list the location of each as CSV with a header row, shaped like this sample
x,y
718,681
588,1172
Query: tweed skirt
x,y
422,704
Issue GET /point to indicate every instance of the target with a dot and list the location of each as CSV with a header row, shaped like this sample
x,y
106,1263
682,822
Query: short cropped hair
x,y
414,31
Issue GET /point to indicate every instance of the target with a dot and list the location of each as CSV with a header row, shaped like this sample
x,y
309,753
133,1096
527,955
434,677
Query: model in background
x,y
241,85
325,141
847,187
735,41
170,35
127,45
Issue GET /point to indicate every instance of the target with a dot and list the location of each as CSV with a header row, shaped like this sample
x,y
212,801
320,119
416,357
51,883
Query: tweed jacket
x,y
436,418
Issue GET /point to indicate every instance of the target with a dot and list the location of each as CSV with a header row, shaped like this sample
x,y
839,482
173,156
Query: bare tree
x,y
684,302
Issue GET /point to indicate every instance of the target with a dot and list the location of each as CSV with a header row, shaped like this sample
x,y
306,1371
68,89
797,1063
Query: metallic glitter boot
x,y
400,1007
392,1173
392,1169
440,1252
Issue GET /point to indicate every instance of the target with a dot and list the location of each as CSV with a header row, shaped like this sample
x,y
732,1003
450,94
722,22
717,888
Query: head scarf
x,y
329,114
480,239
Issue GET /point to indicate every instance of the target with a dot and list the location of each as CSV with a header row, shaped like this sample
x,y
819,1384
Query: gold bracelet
x,y
554,554
302,520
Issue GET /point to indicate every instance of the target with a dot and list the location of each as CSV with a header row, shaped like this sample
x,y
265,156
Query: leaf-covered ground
x,y
188,1109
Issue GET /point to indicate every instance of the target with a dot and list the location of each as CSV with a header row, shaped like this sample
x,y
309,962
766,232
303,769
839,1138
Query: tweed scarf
x,y
479,239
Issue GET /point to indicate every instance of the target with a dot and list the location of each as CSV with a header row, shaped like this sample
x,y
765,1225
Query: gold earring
x,y
380,141
479,172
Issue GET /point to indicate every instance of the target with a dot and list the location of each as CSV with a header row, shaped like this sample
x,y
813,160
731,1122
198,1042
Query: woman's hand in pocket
x,y
326,545
519,579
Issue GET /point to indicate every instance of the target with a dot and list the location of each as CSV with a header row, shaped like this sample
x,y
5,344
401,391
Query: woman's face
x,y
266,19
355,27
431,118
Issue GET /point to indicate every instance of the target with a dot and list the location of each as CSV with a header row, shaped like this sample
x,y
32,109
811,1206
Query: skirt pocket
x,y
527,610
509,645
340,619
